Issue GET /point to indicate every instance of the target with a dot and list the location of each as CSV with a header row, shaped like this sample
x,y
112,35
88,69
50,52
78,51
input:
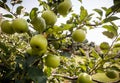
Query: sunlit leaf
x,y
95,54
100,12
113,9
83,13
110,28
33,13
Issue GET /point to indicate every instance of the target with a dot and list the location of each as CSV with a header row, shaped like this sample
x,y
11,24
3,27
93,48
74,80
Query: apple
x,y
64,7
6,26
31,52
38,43
52,61
84,78
50,17
20,25
38,24
79,35
111,74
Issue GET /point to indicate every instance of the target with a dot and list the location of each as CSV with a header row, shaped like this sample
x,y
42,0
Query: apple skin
x,y
52,61
84,78
32,52
6,26
20,25
79,35
39,24
112,74
50,17
64,7
38,43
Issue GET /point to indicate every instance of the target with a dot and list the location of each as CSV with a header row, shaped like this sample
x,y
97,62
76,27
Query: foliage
x,y
19,66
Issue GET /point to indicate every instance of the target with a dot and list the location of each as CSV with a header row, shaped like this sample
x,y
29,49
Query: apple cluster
x,y
18,25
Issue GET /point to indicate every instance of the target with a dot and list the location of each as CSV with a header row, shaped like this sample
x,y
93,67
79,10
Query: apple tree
x,y
35,49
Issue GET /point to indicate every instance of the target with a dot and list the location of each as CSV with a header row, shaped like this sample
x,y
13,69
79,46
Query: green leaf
x,y
4,1
33,13
110,28
18,11
104,8
109,19
112,9
8,15
100,12
108,34
80,1
83,13
37,75
95,54
4,6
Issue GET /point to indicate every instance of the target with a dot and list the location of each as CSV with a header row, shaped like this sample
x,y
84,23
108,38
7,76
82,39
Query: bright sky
x,y
94,35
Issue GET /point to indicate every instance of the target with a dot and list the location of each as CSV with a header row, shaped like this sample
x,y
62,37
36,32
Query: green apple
x,y
112,74
6,26
84,78
38,42
31,52
20,25
38,24
52,61
64,7
79,35
50,17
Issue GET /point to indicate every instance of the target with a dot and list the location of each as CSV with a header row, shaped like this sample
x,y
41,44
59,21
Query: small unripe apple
x,y
112,74
64,7
38,24
6,26
20,25
84,78
52,61
50,17
79,35
38,42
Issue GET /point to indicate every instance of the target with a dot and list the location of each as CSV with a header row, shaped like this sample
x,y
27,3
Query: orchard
x,y
35,49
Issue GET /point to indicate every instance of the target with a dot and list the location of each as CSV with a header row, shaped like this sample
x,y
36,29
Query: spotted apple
x,y
20,25
64,7
84,78
39,24
50,17
52,61
79,35
38,43
6,27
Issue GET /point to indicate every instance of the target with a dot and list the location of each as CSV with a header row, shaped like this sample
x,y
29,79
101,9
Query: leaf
x,y
110,28
18,11
80,1
100,12
4,1
37,75
113,9
108,34
104,8
33,13
109,19
83,13
4,6
95,54
8,15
